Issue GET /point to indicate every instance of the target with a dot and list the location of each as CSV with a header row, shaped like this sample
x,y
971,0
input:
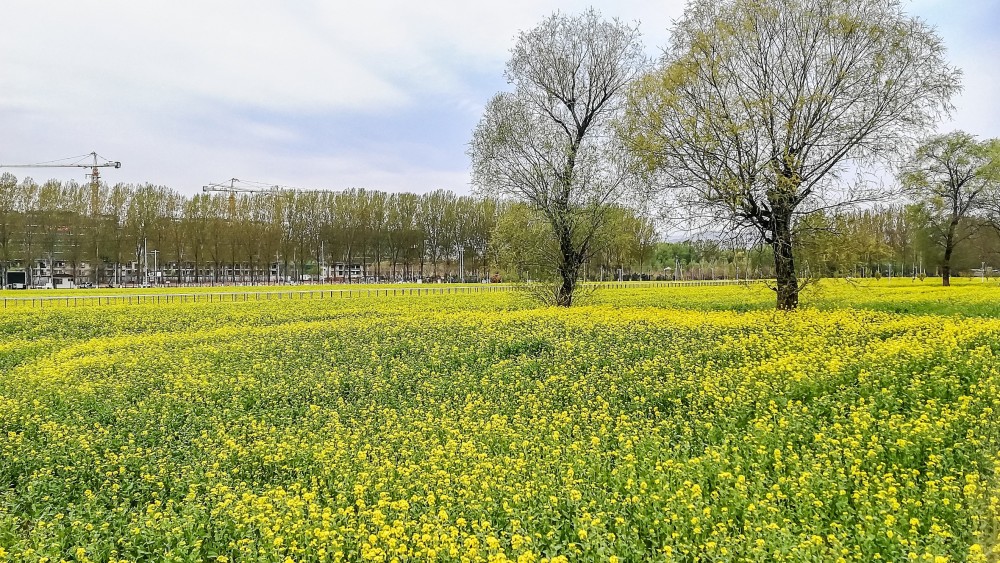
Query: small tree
x,y
549,143
523,243
951,177
761,107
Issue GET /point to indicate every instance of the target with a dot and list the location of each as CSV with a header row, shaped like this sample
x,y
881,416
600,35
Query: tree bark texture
x,y
949,248
946,265
784,262
569,268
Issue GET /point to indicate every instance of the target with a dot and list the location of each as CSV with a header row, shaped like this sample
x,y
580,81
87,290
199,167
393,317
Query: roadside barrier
x,y
246,296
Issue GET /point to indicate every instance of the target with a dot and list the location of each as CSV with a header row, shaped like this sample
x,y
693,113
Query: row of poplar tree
x,y
279,236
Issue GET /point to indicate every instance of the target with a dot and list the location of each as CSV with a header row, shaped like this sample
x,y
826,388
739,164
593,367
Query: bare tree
x,y
434,216
77,201
550,142
762,108
10,219
197,217
951,178
404,234
377,225
350,222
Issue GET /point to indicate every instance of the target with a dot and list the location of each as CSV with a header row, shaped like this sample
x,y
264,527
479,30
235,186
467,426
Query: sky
x,y
381,94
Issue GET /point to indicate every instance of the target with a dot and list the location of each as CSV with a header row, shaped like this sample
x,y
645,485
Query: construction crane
x,y
97,162
232,189
230,186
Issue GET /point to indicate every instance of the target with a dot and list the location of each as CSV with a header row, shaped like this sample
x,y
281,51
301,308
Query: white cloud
x,y
250,53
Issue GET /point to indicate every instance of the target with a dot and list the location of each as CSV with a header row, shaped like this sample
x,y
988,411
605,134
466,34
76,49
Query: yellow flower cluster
x,y
478,428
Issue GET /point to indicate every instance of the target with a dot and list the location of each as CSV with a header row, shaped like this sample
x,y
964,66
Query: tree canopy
x,y
549,143
761,109
952,177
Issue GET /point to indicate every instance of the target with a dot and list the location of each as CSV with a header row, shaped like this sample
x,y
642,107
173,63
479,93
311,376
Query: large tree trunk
x,y
946,265
949,247
784,263
568,284
569,269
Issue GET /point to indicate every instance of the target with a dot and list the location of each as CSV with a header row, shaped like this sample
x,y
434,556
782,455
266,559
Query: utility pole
x,y
156,269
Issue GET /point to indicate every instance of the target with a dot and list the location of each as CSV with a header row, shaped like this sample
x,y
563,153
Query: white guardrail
x,y
40,301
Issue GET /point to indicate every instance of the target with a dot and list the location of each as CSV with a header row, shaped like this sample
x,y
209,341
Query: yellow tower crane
x,y
96,162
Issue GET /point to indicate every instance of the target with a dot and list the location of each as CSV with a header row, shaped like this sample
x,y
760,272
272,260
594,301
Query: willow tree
x,y
550,142
762,109
951,177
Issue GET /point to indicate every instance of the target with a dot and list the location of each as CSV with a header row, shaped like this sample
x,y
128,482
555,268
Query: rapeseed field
x,y
650,425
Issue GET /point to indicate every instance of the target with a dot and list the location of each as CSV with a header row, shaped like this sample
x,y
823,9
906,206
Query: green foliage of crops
x,y
650,425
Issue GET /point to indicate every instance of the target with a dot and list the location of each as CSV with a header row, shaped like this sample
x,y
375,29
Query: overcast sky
x,y
381,94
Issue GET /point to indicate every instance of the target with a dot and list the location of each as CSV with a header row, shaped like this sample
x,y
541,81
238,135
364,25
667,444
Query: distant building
x,y
340,271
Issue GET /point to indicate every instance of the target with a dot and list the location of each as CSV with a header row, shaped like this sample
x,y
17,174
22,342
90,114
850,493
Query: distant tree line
x,y
268,237
893,240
